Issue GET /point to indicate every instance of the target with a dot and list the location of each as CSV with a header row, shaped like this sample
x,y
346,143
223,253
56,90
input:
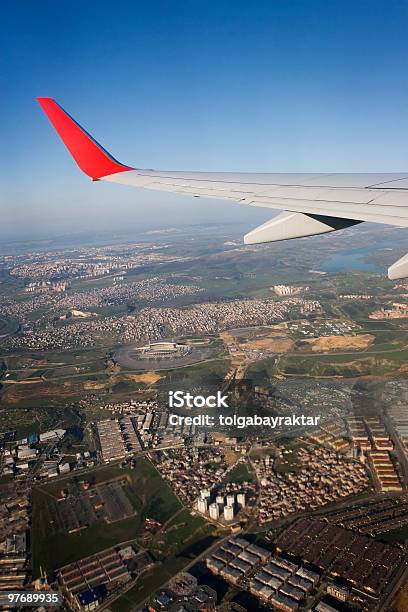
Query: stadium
x,y
163,354
162,350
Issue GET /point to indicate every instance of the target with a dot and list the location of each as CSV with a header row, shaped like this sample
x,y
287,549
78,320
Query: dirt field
x,y
273,340
400,604
22,382
92,385
229,339
338,343
231,457
19,393
276,342
148,378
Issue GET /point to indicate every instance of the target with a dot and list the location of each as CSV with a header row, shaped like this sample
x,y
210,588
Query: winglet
x,y
88,154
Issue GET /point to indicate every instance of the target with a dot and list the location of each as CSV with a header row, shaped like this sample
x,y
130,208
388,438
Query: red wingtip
x,y
88,154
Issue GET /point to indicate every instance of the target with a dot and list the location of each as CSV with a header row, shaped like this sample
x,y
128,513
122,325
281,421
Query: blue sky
x,y
279,86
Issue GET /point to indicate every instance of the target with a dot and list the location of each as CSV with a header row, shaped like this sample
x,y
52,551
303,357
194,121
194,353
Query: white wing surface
x,y
314,203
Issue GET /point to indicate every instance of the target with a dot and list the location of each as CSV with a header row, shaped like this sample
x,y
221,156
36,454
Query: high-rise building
x,y
220,499
230,499
204,493
229,513
214,511
202,506
241,499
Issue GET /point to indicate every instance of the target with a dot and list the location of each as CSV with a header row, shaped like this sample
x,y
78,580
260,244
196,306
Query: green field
x,y
149,494
207,373
185,538
37,418
288,464
177,534
260,453
382,359
240,473
8,326
55,358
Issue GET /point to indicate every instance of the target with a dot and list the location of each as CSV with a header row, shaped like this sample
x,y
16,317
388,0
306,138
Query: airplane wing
x,y
313,203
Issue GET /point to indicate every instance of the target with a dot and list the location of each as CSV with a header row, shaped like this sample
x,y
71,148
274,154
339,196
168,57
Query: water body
x,y
350,260
355,259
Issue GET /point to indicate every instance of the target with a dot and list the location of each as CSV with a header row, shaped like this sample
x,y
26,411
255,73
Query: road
x,y
204,554
400,578
399,446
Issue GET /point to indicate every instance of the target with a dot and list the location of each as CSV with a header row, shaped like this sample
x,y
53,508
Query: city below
x,y
217,428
